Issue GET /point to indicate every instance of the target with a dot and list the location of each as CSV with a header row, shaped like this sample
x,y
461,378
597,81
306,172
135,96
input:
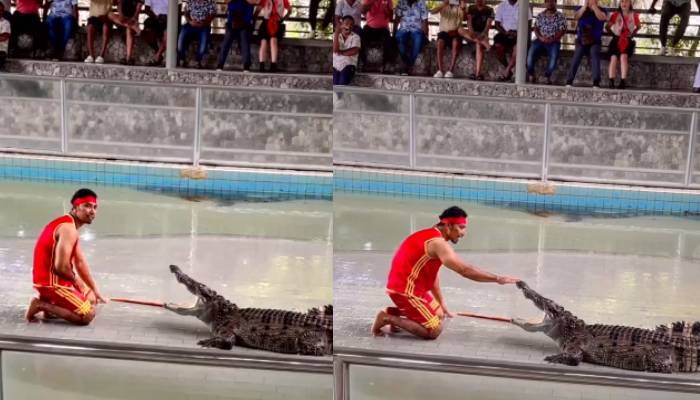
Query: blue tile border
x,y
577,198
219,181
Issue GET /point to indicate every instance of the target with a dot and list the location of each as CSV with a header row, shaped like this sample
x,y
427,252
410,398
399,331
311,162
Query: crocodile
x,y
279,331
665,349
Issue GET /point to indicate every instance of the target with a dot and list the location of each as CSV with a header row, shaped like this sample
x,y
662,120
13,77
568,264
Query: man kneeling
x,y
62,293
414,276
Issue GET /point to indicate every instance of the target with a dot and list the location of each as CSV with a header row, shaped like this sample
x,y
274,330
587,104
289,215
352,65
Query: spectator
x,y
507,36
198,14
5,30
346,47
127,16
412,18
352,8
273,12
6,14
378,13
479,20
590,19
26,20
452,14
98,18
155,29
313,16
623,24
550,26
61,22
670,8
239,25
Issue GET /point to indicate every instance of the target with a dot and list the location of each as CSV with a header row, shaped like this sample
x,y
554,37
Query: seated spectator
x,y
273,12
155,29
623,25
346,47
5,30
550,26
61,23
590,19
127,16
412,23
313,17
198,14
98,18
26,21
479,20
352,8
239,25
670,8
452,14
378,13
506,39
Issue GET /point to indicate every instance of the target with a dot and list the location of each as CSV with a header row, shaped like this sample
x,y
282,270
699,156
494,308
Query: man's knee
x,y
87,318
434,332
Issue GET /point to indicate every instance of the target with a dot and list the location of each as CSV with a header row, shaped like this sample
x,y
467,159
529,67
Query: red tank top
x,y
413,271
44,255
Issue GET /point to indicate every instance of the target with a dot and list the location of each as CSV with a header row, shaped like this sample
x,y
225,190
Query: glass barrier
x,y
371,128
473,135
369,383
255,126
58,377
603,142
695,165
135,120
30,114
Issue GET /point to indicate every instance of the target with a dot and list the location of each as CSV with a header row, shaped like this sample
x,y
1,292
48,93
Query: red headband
x,y
84,199
454,220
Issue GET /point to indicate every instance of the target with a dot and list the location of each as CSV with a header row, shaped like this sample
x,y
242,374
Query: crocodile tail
x,y
198,289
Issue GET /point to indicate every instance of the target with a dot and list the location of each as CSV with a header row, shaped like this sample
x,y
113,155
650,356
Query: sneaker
x,y
663,51
438,74
449,74
89,60
99,60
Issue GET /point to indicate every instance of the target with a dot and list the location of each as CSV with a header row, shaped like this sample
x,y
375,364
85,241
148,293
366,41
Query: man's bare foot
x,y
395,329
379,323
32,310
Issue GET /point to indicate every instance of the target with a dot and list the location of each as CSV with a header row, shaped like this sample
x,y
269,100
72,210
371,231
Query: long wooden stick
x,y
141,302
483,316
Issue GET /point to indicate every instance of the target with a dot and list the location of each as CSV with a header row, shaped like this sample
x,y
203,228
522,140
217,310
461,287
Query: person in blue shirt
x,y
239,25
590,20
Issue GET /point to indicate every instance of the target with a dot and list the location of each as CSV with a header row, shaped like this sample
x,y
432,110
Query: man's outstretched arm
x,y
451,260
83,270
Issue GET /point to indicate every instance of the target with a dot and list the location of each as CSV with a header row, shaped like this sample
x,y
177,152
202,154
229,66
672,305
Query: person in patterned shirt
x,y
411,23
550,26
199,14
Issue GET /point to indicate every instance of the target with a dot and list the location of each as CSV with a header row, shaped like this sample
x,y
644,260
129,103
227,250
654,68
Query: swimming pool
x,y
639,271
256,252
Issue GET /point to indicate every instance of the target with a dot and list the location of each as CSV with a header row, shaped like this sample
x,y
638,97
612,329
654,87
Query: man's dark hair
x,y
82,193
453,211
345,18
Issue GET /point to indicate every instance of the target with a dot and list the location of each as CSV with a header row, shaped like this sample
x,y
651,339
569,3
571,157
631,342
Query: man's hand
x,y
100,298
448,313
503,280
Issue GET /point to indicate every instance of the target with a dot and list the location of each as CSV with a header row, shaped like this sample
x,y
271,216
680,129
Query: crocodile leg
x,y
571,355
217,342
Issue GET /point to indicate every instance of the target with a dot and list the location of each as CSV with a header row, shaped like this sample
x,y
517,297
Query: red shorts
x,y
423,310
70,298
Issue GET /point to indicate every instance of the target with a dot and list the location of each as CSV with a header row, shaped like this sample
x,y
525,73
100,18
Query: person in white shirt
x,y
506,38
5,30
346,48
154,29
352,8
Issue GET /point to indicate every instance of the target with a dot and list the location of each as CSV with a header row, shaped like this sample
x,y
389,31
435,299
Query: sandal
x,y
156,62
505,78
480,77
472,77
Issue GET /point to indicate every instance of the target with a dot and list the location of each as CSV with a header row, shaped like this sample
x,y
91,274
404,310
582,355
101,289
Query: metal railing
x,y
268,128
229,360
346,358
512,137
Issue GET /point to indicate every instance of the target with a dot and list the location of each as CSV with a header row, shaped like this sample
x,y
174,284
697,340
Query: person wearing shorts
x,y
98,19
61,274
413,284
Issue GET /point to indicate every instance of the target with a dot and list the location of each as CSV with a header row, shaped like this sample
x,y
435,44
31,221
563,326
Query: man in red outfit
x,y
413,283
57,258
